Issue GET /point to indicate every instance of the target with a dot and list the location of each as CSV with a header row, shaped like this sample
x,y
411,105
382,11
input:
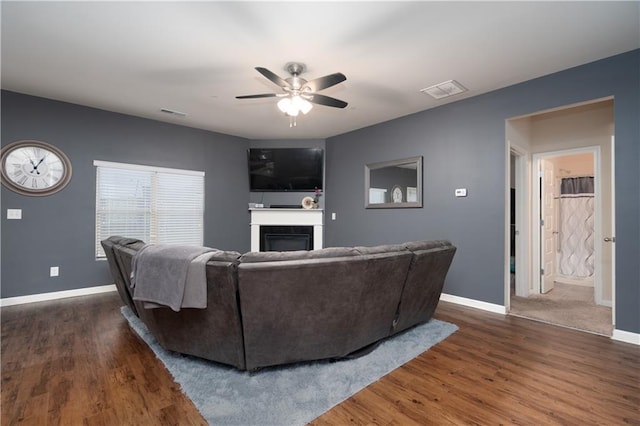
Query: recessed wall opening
x,y
561,246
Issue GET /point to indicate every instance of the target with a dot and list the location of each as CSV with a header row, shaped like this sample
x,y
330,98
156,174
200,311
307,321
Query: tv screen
x,y
285,169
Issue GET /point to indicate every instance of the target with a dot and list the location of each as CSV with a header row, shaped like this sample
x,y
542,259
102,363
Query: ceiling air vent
x,y
444,90
172,112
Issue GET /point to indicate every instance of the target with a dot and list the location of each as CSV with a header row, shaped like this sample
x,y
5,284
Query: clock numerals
x,y
39,183
22,180
56,162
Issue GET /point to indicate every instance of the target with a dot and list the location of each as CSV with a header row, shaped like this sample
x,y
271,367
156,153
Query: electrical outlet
x,y
54,271
461,192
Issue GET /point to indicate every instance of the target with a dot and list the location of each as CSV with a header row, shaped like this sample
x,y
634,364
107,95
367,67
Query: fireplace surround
x,y
281,219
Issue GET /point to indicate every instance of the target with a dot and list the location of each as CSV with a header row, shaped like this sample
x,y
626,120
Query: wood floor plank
x,y
76,361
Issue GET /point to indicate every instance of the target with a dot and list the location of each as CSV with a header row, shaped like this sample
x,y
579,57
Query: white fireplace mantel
x,y
292,217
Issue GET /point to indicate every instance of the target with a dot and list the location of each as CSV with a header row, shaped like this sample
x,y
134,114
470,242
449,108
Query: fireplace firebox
x,y
286,238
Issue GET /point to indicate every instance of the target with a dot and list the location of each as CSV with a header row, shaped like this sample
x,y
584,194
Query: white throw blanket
x,y
171,275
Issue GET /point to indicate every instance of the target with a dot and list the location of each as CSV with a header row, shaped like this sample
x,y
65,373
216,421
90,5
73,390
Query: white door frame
x,y
548,226
535,209
523,235
613,231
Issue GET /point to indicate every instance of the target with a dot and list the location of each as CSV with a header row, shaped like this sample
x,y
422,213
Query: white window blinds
x,y
156,205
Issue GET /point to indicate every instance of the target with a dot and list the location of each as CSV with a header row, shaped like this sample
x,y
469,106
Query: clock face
x,y
34,168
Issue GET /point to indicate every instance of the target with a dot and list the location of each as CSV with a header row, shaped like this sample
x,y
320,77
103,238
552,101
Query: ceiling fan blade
x,y
326,81
262,95
273,77
325,100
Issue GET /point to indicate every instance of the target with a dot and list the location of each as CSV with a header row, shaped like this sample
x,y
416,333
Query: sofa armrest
x,y
424,284
213,333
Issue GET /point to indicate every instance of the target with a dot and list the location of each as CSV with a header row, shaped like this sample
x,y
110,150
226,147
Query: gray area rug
x,y
288,395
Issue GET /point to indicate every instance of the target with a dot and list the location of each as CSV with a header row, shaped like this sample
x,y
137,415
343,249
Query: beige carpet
x,y
567,305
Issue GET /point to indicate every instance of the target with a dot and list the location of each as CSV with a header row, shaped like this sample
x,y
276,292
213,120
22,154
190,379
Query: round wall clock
x,y
34,168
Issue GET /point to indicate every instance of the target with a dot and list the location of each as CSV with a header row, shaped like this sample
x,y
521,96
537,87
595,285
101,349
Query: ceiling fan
x,y
299,94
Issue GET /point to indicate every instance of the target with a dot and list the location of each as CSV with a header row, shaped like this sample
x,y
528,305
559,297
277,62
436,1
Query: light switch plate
x,y
14,213
54,271
461,192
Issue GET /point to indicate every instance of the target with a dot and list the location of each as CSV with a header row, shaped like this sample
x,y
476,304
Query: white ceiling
x,y
195,57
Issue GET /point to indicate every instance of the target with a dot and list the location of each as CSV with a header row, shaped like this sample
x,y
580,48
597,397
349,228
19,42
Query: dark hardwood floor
x,y
76,361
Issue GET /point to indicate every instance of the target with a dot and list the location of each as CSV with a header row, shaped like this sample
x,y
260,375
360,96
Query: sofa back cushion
x,y
385,248
299,310
225,256
275,256
426,245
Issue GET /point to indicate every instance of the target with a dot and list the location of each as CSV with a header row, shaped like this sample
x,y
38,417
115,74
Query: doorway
x,y
564,218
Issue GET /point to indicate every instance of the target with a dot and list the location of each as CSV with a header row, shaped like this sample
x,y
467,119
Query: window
x,y
156,205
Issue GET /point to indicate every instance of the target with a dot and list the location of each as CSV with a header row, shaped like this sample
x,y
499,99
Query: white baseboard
x,y
491,307
626,336
19,300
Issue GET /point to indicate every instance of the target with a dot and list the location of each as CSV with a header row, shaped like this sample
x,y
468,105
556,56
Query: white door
x,y
606,291
547,222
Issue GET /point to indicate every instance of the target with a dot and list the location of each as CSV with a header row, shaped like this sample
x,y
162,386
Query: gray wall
x,y
463,145
59,230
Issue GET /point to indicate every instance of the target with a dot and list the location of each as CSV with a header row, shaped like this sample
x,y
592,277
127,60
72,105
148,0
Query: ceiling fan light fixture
x,y
284,104
292,106
302,104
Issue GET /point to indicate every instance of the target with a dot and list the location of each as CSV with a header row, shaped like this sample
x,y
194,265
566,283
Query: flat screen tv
x,y
285,169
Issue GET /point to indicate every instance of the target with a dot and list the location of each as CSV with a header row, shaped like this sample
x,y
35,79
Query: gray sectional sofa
x,y
272,308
